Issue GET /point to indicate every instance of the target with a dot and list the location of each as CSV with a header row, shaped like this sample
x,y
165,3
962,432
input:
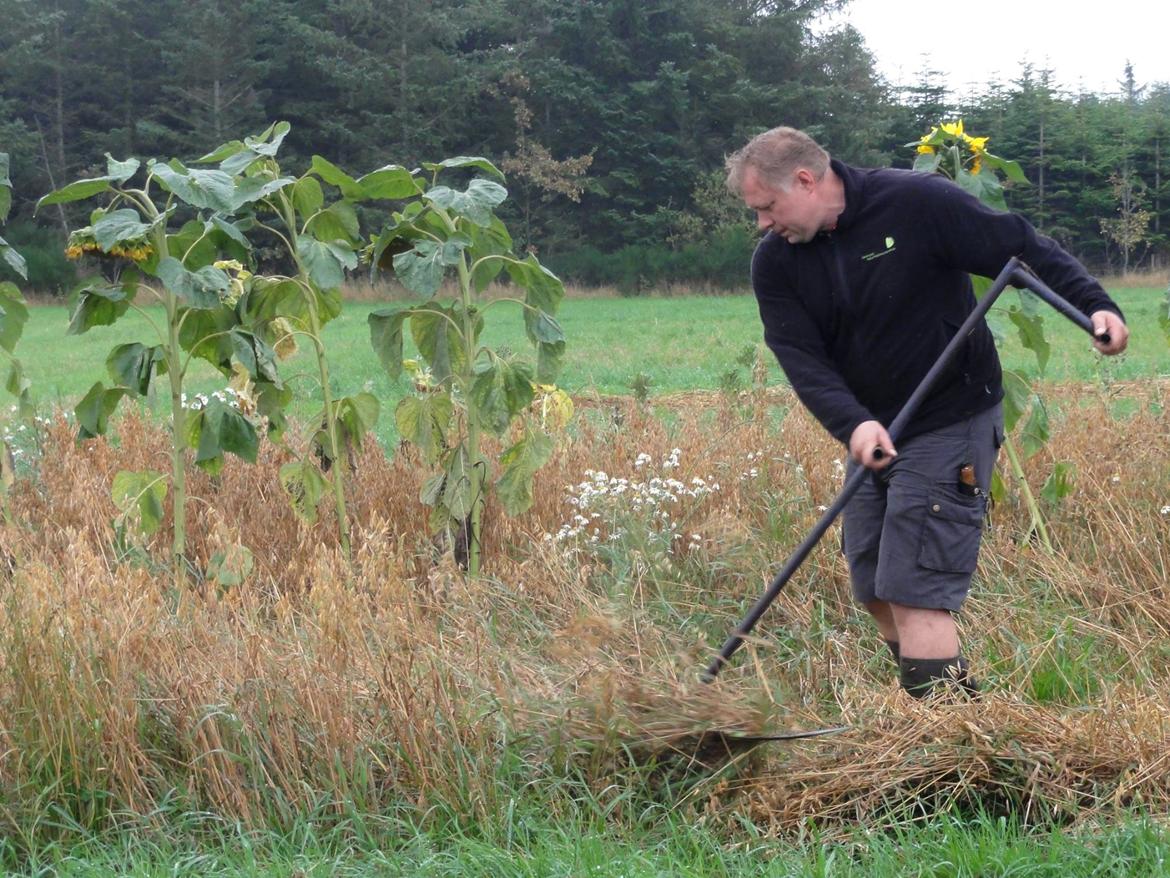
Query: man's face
x,y
795,214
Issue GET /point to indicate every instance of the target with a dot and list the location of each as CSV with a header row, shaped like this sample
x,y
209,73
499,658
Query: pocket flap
x,y
951,531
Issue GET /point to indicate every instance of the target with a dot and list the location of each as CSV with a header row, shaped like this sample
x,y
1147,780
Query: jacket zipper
x,y
843,297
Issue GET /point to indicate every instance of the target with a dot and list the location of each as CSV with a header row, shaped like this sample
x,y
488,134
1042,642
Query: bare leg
x,y
884,617
928,634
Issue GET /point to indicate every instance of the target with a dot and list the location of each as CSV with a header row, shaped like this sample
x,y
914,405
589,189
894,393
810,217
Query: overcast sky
x,y
1085,44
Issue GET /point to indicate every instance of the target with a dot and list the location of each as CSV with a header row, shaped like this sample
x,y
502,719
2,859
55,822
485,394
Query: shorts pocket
x,y
951,531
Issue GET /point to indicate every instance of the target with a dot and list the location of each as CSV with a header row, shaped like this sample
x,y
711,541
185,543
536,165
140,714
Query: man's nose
x,y
763,221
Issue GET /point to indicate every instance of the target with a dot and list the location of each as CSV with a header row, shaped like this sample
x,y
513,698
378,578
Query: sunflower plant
x,y
950,150
13,307
13,316
471,391
182,237
163,232
314,222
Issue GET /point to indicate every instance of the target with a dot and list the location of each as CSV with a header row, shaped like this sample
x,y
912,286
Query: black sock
x,y
921,676
895,649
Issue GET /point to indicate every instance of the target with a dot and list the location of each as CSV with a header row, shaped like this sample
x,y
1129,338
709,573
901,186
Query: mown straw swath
x,y
998,754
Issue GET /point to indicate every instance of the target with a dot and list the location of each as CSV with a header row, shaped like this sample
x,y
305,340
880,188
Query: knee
x,y
920,618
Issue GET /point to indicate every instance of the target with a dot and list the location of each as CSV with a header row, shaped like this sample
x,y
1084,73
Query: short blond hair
x,y
776,156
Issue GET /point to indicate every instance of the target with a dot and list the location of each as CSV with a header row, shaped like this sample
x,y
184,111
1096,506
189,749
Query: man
x,y
862,279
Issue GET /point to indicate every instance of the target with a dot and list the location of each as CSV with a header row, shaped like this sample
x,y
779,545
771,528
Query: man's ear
x,y
804,180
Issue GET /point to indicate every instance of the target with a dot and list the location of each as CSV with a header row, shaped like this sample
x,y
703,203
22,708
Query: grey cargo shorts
x,y
912,531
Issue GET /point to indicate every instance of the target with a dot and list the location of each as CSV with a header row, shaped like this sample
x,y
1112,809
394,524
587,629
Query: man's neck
x,y
833,192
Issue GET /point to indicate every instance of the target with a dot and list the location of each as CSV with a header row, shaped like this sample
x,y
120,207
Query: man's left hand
x,y
1108,322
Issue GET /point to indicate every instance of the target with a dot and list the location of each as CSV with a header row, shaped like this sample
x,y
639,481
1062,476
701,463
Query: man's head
x,y
784,176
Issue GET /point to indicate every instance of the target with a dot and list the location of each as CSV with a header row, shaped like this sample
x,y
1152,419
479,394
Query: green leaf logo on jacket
x,y
877,254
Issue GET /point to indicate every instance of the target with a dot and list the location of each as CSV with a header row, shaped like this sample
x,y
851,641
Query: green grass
x,y
1072,357
682,343
528,843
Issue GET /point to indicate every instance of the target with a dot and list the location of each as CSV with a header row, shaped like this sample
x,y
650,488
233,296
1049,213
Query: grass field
x,y
530,845
386,716
679,344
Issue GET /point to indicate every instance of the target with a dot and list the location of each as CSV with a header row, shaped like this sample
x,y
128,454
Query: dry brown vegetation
x,y
1148,278
327,686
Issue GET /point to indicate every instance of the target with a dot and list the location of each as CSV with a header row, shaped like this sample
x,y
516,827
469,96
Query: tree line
x,y
611,118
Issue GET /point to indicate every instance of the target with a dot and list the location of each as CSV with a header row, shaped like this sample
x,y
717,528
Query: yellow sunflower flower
x,y
954,129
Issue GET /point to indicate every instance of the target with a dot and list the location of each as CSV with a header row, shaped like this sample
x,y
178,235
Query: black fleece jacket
x,y
857,316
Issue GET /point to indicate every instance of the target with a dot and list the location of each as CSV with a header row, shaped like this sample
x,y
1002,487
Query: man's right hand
x,y
1109,323
867,437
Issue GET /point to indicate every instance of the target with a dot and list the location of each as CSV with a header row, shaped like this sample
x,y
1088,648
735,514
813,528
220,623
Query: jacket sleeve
x,y
980,239
793,335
